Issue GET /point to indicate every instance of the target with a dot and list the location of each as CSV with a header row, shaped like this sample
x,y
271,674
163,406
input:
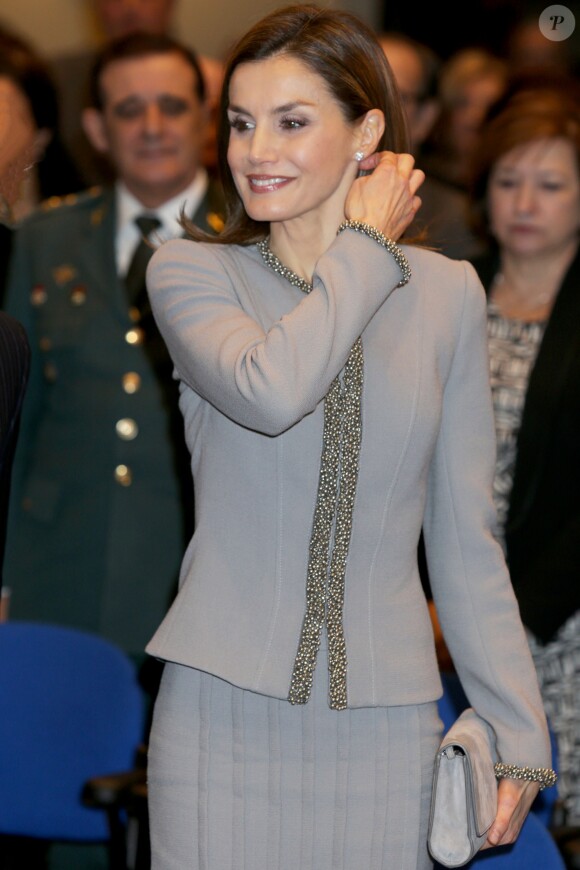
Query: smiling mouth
x,y
266,183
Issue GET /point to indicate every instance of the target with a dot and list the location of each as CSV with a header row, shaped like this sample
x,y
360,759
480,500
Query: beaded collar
x,y
274,263
327,555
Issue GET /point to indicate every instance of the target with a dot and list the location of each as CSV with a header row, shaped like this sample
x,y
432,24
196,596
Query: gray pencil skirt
x,y
241,781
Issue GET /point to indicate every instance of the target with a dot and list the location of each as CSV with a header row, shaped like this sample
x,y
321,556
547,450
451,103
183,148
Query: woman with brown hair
x,y
335,394
527,195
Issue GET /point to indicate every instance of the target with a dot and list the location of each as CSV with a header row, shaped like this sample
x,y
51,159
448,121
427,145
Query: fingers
x,y
416,180
405,164
514,799
505,812
370,162
386,198
402,162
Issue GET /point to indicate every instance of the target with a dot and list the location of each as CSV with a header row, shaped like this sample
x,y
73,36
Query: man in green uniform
x,y
102,486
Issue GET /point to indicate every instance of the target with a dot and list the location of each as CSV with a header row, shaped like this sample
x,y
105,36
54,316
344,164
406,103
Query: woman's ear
x,y
370,132
94,127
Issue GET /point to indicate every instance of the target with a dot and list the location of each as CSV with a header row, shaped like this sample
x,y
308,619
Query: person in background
x,y
14,347
526,193
26,83
335,393
115,19
471,81
118,18
103,501
526,47
444,209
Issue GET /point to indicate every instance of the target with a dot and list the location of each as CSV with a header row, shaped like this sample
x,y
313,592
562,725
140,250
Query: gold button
x,y
134,314
50,372
127,429
45,343
131,382
123,475
135,336
38,296
78,295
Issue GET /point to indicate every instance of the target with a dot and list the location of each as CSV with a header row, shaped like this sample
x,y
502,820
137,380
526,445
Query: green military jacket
x,y
102,492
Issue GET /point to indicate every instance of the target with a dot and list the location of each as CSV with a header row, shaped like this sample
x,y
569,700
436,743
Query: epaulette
x,y
84,197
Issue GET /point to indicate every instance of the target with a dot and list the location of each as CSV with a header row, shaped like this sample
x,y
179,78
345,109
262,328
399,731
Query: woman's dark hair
x,y
57,174
530,114
339,48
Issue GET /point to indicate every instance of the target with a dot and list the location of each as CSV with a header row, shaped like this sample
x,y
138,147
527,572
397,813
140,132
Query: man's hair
x,y
139,45
429,61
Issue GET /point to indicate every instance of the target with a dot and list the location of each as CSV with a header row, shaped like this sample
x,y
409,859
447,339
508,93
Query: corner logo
x,y
557,23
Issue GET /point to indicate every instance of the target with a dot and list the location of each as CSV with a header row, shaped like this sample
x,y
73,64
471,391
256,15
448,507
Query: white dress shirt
x,y
129,208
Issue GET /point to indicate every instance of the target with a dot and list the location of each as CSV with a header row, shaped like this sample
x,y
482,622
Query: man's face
x,y
122,17
152,125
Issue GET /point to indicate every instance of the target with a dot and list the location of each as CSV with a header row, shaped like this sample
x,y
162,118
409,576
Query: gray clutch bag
x,y
464,798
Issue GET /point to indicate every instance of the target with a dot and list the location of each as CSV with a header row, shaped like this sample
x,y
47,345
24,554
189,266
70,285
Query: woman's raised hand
x,y
386,199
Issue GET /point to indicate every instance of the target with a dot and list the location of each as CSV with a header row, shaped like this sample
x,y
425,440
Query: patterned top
x,y
513,347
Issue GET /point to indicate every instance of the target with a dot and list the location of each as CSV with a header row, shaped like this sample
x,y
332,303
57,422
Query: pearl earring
x,y
358,156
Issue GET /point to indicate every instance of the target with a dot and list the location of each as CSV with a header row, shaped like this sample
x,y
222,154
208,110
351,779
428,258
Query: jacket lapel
x,y
97,256
548,380
209,213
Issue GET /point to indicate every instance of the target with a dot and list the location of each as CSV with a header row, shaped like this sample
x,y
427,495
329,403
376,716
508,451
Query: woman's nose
x,y
262,146
525,198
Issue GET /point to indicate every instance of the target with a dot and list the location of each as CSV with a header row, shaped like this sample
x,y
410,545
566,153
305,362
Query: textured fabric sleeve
x,y
265,380
470,583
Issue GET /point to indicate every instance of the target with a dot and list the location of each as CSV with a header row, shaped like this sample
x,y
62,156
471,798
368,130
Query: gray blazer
x,y
255,357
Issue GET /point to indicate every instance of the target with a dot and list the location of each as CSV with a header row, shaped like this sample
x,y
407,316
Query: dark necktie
x,y
160,361
135,277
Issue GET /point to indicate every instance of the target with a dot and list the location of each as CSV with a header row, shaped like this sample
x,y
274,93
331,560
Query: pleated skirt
x,y
241,781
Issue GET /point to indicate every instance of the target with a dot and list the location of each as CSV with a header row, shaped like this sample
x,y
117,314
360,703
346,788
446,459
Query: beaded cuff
x,y
544,775
393,249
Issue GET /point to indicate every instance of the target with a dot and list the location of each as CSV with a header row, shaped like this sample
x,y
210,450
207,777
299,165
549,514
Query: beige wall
x,y
62,26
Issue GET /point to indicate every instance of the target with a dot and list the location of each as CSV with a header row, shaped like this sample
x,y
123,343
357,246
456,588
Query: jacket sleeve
x,y
266,380
470,583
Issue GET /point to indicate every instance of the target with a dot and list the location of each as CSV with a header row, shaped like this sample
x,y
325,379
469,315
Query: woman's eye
x,y
552,186
240,124
504,182
292,123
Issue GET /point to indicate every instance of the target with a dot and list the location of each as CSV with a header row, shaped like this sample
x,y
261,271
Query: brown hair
x,y
339,48
543,113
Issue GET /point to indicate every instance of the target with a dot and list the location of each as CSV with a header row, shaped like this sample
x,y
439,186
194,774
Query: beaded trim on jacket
x,y
327,558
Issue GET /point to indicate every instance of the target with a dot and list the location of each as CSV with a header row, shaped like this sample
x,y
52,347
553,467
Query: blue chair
x,y
71,709
533,850
534,847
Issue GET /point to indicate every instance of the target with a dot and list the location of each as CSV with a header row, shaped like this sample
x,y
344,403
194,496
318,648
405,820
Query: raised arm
x,y
266,379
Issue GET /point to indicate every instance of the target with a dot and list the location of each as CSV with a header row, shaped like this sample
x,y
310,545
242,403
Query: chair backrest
x,y
70,709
